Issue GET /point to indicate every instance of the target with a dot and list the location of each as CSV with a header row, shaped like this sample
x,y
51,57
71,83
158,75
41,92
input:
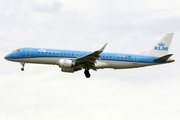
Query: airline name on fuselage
x,y
42,50
161,47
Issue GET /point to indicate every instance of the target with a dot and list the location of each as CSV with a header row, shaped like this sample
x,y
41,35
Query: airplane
x,y
72,60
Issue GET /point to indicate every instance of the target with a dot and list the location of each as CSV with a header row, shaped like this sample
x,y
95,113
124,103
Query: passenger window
x,y
42,52
64,53
53,53
107,56
118,57
38,52
110,56
61,53
49,52
68,54
103,56
114,57
57,53
72,54
46,52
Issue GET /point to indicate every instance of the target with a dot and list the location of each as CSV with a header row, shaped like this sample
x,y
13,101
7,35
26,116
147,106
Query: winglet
x,y
102,48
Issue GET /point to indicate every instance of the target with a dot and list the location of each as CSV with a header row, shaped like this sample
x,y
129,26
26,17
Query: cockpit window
x,y
16,51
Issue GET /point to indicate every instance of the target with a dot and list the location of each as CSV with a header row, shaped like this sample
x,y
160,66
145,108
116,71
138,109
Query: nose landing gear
x,y
87,74
22,69
22,63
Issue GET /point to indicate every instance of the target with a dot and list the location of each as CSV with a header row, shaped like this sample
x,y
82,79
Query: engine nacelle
x,y
66,63
71,70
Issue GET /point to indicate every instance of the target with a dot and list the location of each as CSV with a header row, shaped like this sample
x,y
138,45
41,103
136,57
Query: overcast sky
x,y
43,92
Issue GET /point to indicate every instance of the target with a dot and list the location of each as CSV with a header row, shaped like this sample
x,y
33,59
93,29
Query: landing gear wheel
x,y
22,63
87,74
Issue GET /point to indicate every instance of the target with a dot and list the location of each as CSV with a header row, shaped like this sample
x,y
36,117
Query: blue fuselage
x,y
28,54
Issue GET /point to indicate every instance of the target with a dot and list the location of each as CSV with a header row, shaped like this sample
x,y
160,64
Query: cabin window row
x,y
55,53
60,53
126,57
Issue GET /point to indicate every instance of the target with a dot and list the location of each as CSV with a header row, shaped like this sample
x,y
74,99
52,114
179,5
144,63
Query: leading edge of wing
x,y
92,56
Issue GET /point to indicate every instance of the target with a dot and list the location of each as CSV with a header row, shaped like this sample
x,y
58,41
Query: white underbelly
x,y
40,60
119,64
100,64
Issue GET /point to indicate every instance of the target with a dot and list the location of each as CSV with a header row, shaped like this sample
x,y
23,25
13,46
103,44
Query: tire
x,y
87,74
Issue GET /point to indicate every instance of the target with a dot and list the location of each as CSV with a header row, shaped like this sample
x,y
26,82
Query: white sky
x,y
43,92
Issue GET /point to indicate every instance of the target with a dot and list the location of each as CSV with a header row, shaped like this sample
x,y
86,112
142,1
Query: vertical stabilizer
x,y
162,47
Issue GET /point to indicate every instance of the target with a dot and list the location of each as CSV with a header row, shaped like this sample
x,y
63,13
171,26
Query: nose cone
x,y
7,57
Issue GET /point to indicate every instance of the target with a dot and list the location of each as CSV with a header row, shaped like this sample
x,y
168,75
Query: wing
x,y
88,61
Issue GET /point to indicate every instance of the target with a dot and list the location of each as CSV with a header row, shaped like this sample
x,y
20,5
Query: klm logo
x,y
42,50
161,47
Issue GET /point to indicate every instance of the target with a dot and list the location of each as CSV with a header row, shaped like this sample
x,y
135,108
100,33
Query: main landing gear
x,y
87,74
22,63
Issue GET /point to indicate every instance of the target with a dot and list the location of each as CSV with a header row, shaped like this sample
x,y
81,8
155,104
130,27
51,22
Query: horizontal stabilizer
x,y
163,58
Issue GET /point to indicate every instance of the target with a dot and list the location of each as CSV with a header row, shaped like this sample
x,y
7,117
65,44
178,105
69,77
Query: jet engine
x,y
70,70
66,63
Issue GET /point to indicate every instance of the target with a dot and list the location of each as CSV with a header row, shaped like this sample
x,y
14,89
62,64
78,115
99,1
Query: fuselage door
x,y
28,52
135,59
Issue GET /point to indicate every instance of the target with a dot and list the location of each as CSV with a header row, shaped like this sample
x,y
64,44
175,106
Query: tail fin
x,y
162,47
